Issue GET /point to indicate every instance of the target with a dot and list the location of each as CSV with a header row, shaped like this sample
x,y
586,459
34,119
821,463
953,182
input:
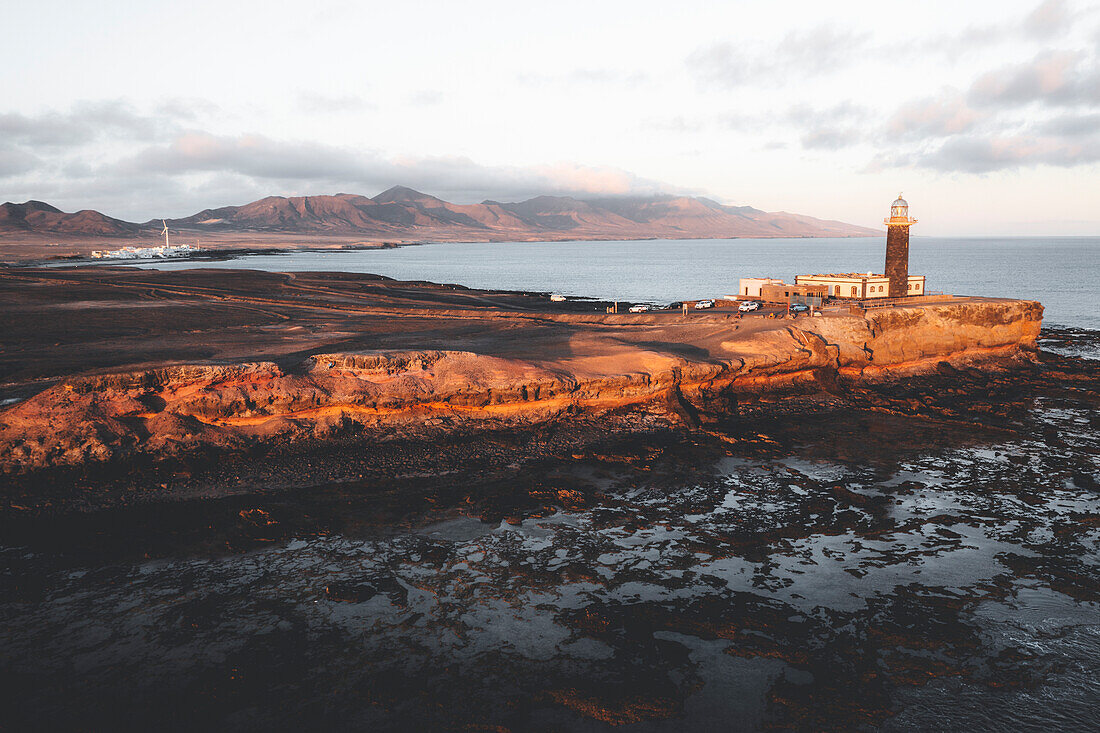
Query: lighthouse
x,y
894,282
897,248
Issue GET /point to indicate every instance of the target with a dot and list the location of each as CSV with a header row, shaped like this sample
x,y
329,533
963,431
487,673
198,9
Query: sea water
x,y
1060,272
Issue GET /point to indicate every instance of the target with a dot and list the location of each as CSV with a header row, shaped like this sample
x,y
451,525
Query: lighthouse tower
x,y
897,247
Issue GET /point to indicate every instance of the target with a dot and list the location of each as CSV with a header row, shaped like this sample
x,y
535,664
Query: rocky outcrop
x,y
902,341
173,410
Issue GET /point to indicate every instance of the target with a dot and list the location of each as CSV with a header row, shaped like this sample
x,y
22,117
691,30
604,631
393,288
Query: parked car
x,y
708,303
799,308
749,305
557,297
675,306
641,308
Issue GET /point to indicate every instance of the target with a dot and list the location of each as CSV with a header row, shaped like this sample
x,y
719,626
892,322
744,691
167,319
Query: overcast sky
x,y
986,115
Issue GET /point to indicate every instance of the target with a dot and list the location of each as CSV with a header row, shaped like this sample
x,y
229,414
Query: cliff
x,y
693,368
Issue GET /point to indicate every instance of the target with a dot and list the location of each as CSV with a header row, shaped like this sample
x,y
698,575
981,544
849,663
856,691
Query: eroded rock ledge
x,y
678,369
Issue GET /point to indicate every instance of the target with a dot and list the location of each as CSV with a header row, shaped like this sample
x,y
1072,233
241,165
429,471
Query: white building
x,y
859,285
749,287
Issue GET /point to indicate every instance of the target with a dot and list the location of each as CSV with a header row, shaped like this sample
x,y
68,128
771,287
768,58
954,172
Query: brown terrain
x,y
35,230
116,369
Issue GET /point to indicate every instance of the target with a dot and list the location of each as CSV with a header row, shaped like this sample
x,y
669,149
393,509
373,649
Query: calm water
x,y
1058,271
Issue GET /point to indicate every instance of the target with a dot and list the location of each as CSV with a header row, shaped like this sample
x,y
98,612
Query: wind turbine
x,y
165,232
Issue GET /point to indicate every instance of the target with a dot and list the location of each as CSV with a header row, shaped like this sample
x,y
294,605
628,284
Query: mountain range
x,y
37,217
401,213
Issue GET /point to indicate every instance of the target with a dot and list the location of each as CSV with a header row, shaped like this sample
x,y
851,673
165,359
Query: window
x,y
855,291
838,290
746,290
880,288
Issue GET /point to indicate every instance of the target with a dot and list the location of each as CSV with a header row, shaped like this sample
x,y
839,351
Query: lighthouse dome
x,y
899,209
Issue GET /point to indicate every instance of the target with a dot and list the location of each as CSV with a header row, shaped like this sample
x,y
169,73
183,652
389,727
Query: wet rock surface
x,y
910,556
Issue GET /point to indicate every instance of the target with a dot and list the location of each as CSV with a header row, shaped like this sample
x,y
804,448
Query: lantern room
x,y
899,213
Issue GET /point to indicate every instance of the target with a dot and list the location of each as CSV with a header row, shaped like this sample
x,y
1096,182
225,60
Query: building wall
x,y
782,292
749,287
865,287
877,287
849,287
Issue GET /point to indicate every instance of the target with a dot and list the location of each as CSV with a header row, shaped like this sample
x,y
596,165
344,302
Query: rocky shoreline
x,y
871,557
903,540
504,474
533,370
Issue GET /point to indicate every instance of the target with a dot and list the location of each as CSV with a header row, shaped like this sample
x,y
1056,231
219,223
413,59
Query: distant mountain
x,y
402,213
35,216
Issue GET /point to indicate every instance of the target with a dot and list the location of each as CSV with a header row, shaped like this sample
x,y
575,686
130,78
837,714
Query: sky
x,y
986,115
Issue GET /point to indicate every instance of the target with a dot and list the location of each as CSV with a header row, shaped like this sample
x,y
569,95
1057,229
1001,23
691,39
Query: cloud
x,y
981,154
260,163
42,130
14,161
1059,78
800,54
73,157
944,139
1049,19
831,138
842,112
1072,125
1041,112
85,122
815,124
251,155
185,109
830,128
968,40
426,98
588,76
940,116
973,154
675,124
313,102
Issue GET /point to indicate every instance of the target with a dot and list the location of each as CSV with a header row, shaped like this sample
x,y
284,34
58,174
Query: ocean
x,y
1060,272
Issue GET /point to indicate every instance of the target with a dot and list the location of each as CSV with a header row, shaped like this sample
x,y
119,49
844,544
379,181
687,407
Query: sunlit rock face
x,y
935,568
673,369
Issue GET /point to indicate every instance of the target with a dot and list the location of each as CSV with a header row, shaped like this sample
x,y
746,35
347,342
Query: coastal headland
x,y
108,367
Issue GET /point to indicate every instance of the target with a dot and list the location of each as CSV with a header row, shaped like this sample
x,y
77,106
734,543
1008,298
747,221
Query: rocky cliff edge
x,y
700,375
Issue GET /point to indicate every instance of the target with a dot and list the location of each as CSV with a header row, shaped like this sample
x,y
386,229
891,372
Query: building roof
x,y
848,275
853,275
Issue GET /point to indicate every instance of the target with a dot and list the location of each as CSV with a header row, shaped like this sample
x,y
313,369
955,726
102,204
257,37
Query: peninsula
x,y
111,368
